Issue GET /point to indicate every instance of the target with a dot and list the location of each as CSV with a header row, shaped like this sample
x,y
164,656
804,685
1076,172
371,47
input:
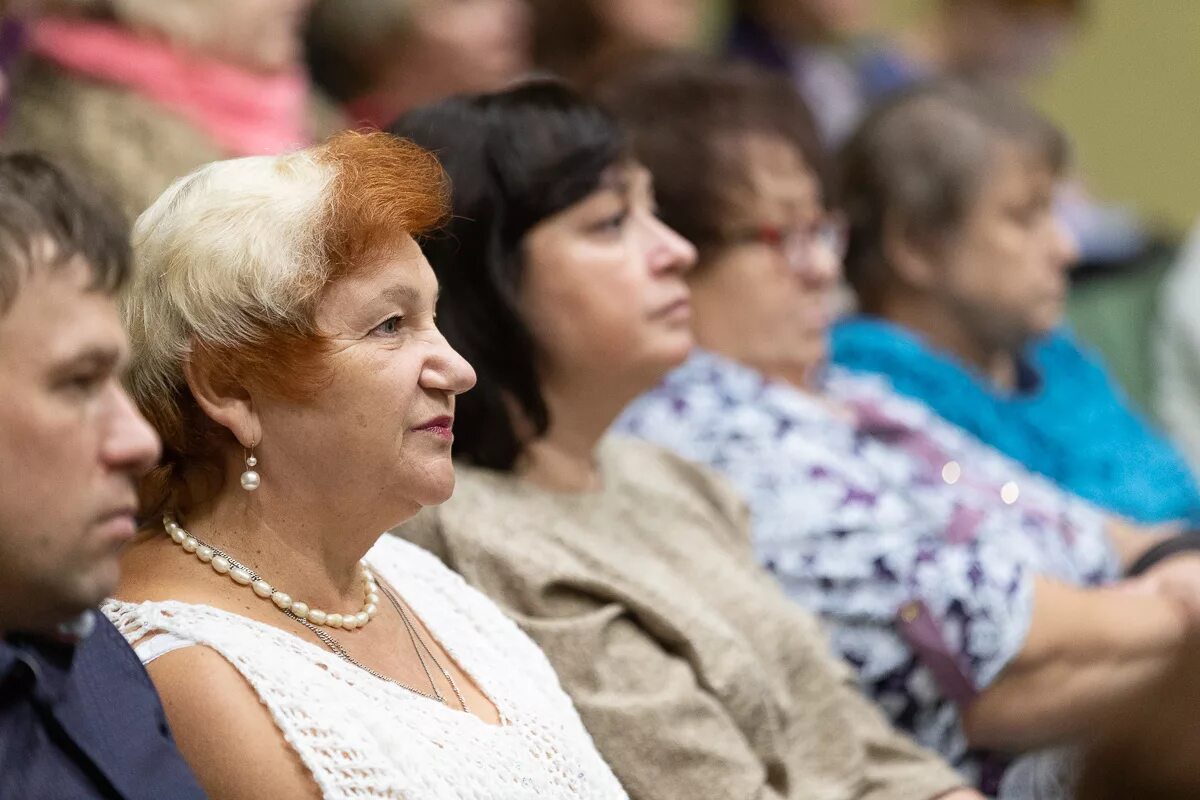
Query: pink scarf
x,y
244,112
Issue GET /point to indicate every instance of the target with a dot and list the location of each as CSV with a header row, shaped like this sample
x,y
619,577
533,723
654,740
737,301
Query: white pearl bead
x,y
362,618
204,553
262,589
333,620
240,576
282,600
220,564
300,609
1010,493
371,610
317,617
177,535
372,599
349,622
250,480
190,544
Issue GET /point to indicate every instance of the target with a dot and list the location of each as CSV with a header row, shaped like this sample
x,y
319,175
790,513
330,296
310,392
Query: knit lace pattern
x,y
362,737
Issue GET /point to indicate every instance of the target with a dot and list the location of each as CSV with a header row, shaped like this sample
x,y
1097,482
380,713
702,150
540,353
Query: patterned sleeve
x,y
862,560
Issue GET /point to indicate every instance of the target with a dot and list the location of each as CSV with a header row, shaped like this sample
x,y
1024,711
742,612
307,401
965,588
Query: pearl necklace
x,y
224,564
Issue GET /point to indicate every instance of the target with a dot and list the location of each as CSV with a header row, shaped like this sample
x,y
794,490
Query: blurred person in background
x,y
14,16
378,58
78,715
817,44
140,92
1012,42
960,266
984,608
584,40
697,677
842,71
285,346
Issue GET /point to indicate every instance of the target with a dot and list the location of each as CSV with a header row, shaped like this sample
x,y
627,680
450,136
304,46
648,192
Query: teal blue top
x,y
1067,419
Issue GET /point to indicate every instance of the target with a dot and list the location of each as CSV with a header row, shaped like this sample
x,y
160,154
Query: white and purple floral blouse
x,y
916,543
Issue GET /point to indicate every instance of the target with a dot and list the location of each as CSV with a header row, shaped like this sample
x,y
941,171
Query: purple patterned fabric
x,y
866,503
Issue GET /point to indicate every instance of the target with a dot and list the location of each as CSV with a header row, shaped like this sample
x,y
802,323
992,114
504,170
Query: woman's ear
x,y
911,261
222,398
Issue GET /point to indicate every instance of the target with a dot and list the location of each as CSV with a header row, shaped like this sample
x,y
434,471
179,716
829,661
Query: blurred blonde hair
x,y
230,263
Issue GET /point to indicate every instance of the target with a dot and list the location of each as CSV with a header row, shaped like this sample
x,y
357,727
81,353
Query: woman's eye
x,y
85,383
389,327
613,223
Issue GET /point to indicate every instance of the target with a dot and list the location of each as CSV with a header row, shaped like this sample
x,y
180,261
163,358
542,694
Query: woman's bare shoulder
x,y
224,731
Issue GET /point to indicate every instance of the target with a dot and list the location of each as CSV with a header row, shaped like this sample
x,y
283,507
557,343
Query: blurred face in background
x,y
766,296
603,288
1003,274
814,20
1004,42
653,24
469,45
261,35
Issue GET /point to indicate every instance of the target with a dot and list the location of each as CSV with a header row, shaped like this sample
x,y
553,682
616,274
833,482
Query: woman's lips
x,y
677,311
442,427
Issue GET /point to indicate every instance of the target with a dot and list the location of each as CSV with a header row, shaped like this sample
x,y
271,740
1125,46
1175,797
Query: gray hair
x,y
919,161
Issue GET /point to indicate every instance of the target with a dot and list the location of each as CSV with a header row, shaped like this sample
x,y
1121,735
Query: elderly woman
x,y
140,92
697,677
960,267
972,596
284,346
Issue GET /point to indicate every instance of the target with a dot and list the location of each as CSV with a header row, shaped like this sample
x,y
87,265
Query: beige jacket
x,y
697,677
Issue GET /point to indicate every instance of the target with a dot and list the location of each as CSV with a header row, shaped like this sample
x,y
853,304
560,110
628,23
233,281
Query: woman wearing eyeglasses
x,y
983,607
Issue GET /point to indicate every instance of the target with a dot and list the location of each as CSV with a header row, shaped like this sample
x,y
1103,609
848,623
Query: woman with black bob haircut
x,y
631,568
516,158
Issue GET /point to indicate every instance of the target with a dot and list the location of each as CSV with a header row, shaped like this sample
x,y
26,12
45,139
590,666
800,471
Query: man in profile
x,y
79,718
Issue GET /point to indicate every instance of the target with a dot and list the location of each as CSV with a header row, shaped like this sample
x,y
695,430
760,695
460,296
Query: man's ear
x,y
223,398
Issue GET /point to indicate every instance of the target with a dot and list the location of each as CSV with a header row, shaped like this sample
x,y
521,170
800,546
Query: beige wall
x,y
1129,95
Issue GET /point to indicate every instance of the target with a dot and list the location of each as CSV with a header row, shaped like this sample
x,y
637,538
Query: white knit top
x,y
362,737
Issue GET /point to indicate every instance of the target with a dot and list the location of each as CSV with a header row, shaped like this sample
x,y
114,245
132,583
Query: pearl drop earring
x,y
251,479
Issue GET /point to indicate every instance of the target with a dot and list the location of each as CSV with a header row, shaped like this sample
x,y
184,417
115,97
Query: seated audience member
x,y
79,718
284,345
960,267
631,568
585,39
970,594
378,58
140,92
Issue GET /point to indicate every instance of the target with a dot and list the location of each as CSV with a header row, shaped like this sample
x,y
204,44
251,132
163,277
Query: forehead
x,y
774,176
397,265
56,314
1013,169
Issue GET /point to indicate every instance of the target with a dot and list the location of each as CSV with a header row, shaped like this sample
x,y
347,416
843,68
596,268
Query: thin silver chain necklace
x,y
334,645
418,643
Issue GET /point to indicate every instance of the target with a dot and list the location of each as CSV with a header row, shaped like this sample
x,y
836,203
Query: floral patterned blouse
x,y
917,544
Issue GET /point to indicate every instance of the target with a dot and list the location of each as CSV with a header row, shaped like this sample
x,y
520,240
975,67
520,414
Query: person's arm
x,y
225,733
1087,652
664,735
896,766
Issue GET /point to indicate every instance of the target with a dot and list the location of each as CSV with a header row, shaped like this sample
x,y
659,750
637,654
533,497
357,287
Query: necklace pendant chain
x,y
313,619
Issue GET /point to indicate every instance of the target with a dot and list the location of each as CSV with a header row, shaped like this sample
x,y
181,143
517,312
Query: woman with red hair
x,y
285,348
